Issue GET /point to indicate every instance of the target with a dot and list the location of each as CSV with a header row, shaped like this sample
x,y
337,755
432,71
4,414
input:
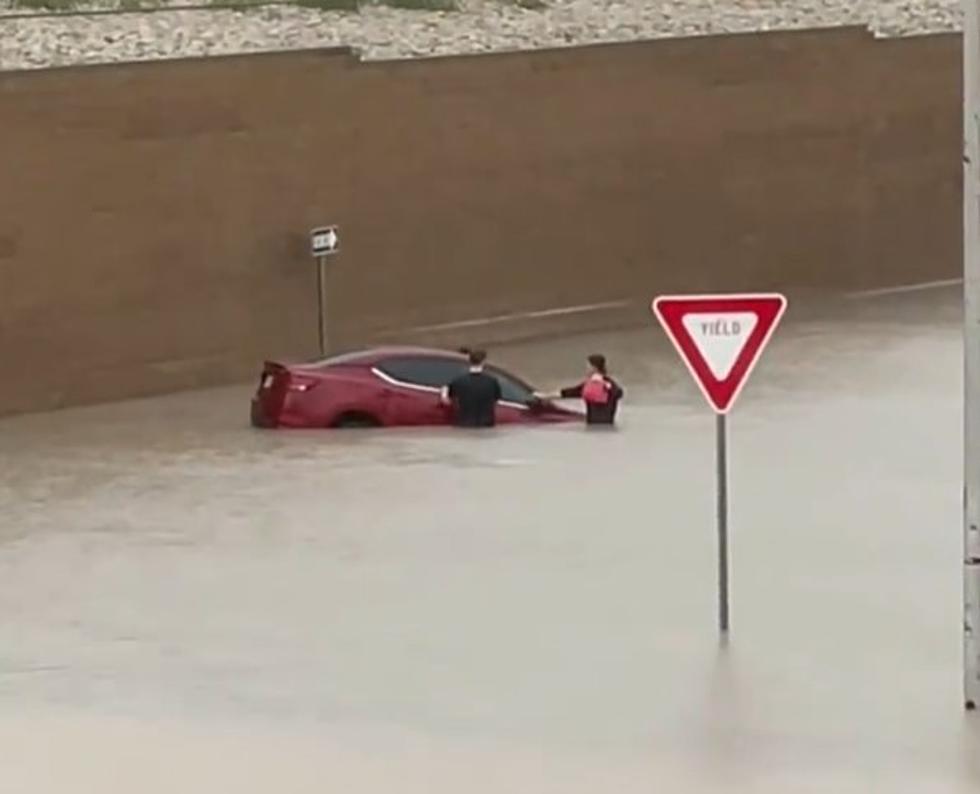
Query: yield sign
x,y
720,337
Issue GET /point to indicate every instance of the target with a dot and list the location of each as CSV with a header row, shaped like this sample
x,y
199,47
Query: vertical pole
x,y
321,324
722,460
971,350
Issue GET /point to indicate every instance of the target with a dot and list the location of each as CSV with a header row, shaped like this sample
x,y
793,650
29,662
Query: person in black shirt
x,y
600,393
474,395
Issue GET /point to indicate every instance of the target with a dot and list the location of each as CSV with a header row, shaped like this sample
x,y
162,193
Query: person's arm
x,y
615,391
570,393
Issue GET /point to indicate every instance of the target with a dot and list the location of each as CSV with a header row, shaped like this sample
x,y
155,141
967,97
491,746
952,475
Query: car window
x,y
422,370
513,390
438,372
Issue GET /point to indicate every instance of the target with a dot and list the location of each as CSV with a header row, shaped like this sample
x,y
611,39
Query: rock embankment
x,y
378,32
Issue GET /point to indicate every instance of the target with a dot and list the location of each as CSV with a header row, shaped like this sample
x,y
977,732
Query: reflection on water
x,y
399,609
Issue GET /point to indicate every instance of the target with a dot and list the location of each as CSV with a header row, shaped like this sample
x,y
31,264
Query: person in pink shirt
x,y
600,393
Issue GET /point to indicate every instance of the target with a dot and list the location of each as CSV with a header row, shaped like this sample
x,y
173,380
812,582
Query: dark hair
x,y
598,361
476,357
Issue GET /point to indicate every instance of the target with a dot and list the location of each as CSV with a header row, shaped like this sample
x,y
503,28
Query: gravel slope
x,y
480,26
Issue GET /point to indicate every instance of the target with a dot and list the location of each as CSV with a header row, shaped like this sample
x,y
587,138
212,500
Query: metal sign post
x,y
721,455
324,242
720,339
971,352
321,262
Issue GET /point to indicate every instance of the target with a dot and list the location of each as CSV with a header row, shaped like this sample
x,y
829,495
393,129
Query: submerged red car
x,y
384,387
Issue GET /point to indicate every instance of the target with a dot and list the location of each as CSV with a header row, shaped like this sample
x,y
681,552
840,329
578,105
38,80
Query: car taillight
x,y
301,383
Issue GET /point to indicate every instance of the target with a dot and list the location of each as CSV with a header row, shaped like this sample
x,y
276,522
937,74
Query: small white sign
x,y
720,337
325,241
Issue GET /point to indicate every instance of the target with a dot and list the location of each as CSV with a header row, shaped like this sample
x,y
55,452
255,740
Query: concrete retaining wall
x,y
153,217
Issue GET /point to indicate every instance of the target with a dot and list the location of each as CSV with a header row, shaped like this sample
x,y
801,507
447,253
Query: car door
x,y
413,387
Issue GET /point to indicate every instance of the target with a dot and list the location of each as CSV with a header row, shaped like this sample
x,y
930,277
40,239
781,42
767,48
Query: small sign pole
x,y
324,242
721,454
321,324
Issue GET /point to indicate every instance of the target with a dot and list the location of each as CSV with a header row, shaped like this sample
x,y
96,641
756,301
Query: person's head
x,y
477,358
598,363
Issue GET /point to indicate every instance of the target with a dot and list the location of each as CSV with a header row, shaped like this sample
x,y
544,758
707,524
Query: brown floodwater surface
x,y
190,604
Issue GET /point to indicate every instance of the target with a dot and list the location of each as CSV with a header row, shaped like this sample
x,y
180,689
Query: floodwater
x,y
190,605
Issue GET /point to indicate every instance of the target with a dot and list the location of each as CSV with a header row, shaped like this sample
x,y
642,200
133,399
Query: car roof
x,y
373,355
370,357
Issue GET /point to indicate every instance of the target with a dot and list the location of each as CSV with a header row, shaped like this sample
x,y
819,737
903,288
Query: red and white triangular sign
x,y
720,337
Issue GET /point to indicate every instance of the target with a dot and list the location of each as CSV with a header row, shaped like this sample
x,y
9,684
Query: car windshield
x,y
514,390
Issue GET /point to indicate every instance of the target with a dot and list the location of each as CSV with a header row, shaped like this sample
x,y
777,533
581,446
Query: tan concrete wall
x,y
153,217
